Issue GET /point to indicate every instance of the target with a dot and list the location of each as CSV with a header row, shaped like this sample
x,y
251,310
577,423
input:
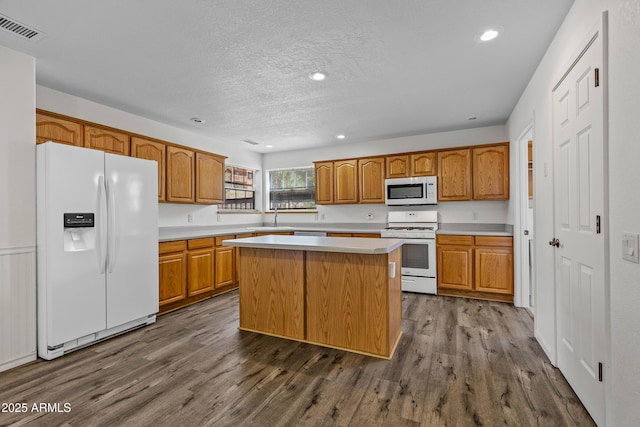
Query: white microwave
x,y
422,190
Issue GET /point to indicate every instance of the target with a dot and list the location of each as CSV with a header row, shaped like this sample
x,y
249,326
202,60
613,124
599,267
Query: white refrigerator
x,y
97,246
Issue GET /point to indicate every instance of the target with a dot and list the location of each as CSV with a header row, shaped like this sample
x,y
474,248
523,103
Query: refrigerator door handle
x,y
111,239
101,243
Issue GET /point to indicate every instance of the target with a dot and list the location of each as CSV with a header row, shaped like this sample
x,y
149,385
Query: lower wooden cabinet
x,y
194,270
173,272
475,266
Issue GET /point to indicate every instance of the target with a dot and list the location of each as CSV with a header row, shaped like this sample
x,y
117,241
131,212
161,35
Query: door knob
x,y
554,242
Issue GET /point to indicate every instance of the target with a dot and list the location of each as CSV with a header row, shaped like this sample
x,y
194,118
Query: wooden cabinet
x,y
475,266
106,140
58,130
225,271
371,177
491,173
209,178
152,150
345,182
180,175
424,164
200,260
324,183
397,166
172,272
454,175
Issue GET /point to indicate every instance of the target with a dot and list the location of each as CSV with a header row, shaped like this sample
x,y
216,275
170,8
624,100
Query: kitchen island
x,y
332,291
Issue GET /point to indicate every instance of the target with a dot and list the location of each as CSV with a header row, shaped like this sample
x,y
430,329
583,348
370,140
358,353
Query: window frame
x,y
228,185
267,191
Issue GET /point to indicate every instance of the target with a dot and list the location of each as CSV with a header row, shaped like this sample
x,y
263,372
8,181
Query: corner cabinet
x,y
475,266
491,173
152,150
58,130
345,182
371,177
180,175
209,179
454,175
324,183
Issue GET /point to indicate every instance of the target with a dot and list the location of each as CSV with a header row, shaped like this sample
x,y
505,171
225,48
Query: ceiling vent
x,y
248,141
19,29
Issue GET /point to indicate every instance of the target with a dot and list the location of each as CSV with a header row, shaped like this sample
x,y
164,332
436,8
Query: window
x,y
239,193
292,188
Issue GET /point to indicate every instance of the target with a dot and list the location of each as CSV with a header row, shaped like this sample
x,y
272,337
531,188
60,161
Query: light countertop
x,y
359,245
475,229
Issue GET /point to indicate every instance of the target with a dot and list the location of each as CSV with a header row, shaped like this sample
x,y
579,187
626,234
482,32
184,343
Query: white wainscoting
x,y
17,306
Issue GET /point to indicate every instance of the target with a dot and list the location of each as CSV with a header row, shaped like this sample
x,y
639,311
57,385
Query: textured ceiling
x,y
395,68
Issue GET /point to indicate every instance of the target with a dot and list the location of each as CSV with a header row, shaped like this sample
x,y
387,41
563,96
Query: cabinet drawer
x,y
174,246
503,241
220,239
206,242
453,239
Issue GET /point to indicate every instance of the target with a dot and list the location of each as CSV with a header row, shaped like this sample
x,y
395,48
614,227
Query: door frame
x,y
521,259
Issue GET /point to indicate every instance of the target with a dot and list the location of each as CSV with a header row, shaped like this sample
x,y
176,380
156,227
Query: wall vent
x,y
248,141
19,29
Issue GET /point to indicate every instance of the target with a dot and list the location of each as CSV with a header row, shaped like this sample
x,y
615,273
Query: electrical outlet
x,y
630,247
189,218
474,215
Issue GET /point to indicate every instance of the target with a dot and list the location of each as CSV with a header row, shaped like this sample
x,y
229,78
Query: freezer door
x,y
132,260
71,286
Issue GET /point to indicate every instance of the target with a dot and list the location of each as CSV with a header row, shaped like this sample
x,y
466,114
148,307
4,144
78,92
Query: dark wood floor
x,y
459,363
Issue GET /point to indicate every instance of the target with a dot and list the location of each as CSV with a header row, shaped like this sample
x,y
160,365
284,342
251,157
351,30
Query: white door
x,y
71,276
578,145
132,260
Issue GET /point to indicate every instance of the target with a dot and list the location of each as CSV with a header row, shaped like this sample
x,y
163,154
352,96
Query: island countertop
x,y
357,245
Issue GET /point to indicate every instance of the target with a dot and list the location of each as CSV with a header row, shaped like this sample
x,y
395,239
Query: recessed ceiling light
x,y
269,146
196,120
340,136
317,75
489,34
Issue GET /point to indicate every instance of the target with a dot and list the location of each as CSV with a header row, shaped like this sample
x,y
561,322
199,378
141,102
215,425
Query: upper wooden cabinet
x,y
152,150
180,175
58,130
424,164
324,183
345,182
397,166
106,140
491,172
209,178
371,177
454,175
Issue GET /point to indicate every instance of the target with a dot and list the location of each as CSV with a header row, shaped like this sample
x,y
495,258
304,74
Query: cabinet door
x,y
397,166
152,150
200,276
180,173
454,175
173,277
455,267
225,266
424,164
106,140
346,182
491,173
57,130
494,270
209,179
324,183
371,173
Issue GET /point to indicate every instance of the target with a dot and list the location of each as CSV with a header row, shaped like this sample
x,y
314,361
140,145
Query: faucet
x,y
275,216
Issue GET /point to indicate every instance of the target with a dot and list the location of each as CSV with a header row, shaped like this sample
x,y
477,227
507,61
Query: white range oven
x,y
418,230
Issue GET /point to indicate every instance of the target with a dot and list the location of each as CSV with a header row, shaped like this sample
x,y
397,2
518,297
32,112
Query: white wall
x,y
622,370
18,209
488,212
170,214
